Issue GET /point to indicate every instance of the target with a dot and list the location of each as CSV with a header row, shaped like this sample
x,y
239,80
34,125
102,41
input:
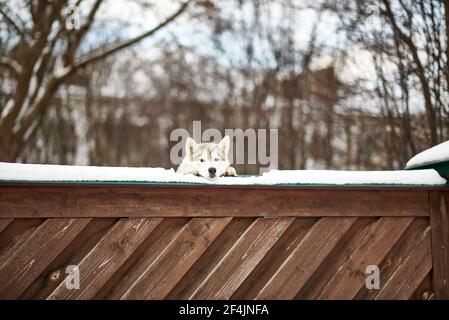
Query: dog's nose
x,y
212,171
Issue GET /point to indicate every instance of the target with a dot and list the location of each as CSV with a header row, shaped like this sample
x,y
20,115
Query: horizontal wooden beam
x,y
199,201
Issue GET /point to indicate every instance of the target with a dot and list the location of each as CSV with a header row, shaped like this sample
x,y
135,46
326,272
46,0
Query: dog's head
x,y
210,159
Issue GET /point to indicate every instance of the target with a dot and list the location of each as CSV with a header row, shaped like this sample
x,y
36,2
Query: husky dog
x,y
208,160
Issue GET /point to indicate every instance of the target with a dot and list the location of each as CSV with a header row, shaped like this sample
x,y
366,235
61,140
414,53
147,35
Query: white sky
x,y
190,34
197,34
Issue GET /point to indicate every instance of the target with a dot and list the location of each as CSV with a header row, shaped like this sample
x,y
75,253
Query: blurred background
x,y
349,84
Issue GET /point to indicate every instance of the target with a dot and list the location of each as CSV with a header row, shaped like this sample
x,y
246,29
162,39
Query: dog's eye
x,y
202,160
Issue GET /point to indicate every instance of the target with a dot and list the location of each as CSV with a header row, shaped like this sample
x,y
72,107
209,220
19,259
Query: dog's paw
x,y
230,172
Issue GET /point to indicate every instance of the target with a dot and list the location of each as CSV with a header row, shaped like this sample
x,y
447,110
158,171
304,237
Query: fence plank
x,y
411,273
338,256
397,255
282,249
210,259
72,255
191,201
350,278
36,253
4,223
425,289
306,257
162,275
439,222
143,258
241,259
12,238
107,256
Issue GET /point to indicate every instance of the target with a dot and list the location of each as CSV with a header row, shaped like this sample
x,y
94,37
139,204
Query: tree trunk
x,y
9,148
446,18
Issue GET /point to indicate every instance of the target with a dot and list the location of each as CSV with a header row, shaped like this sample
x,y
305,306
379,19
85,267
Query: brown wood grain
x,y
210,258
371,251
397,255
274,258
333,262
307,256
72,254
425,289
12,238
102,261
177,258
142,258
409,275
4,223
191,201
241,259
35,254
439,222
221,242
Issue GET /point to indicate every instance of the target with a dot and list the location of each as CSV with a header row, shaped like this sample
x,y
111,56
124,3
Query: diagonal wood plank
x,y
36,253
411,273
425,289
163,274
273,259
241,259
107,256
143,258
350,278
306,257
338,256
72,255
4,223
12,238
397,255
211,258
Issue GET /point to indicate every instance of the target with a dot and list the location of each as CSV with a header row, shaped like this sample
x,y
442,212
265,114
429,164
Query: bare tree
x,y
265,78
411,36
45,56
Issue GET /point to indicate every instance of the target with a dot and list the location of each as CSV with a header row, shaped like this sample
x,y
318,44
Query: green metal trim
x,y
442,167
63,182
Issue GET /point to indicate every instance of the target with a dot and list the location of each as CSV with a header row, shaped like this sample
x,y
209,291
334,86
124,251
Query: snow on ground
x,y
38,172
438,153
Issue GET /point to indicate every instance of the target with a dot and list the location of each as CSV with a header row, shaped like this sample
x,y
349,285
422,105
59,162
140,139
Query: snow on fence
x,y
141,240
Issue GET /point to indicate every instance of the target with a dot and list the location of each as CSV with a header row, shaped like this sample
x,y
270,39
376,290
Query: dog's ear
x,y
224,146
190,147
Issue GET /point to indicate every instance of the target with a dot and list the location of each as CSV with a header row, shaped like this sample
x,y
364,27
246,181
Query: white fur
x,y
202,158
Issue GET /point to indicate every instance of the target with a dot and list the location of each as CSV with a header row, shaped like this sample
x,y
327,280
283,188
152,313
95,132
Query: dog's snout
x,y
212,170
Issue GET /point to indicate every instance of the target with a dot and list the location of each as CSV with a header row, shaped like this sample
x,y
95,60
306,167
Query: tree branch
x,y
11,65
24,124
12,23
34,51
446,18
106,51
408,41
79,34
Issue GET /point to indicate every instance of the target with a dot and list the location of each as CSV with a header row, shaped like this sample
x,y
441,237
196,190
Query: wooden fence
x,y
212,242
